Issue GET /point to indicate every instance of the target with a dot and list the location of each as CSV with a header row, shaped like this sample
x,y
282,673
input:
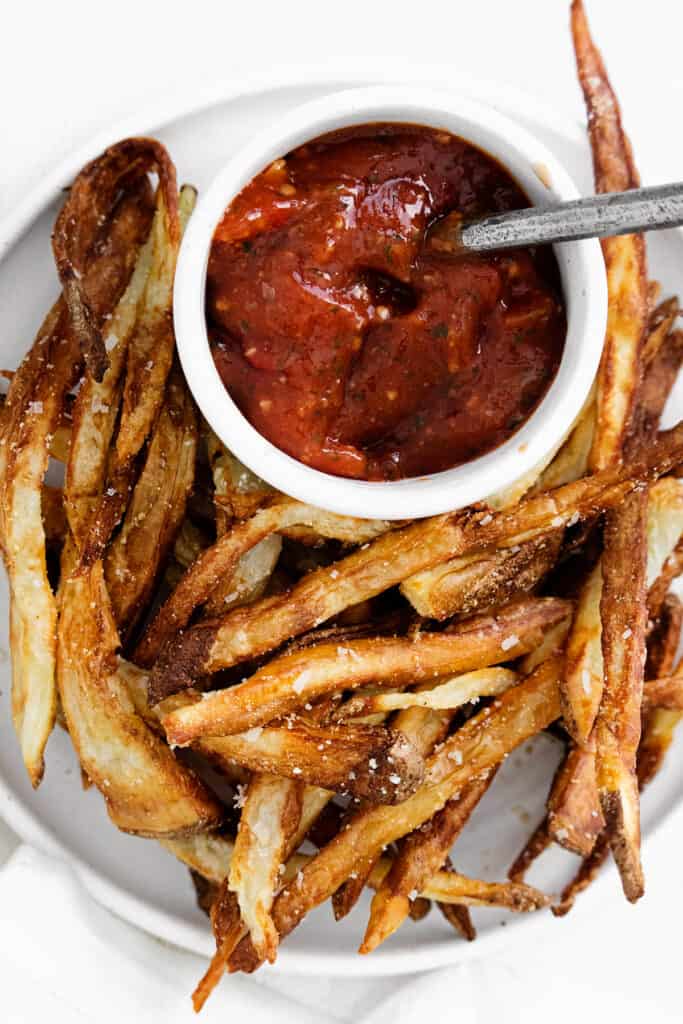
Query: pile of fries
x,y
354,684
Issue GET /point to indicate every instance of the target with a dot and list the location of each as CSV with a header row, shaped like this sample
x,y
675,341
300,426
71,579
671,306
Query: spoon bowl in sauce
x,y
343,363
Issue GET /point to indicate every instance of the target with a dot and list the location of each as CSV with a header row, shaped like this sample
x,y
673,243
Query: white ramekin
x,y
583,280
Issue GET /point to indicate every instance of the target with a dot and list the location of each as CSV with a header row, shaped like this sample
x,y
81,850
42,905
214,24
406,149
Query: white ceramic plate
x,y
135,877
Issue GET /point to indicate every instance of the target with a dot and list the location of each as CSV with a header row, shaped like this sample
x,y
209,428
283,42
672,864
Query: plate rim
x,y
174,107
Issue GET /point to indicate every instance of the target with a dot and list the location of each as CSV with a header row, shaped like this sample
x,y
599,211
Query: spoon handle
x,y
614,213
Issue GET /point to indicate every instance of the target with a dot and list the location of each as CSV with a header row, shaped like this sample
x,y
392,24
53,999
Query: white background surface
x,y
71,68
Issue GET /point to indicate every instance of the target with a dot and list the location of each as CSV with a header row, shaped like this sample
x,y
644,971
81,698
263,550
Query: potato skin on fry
x,y
92,200
147,791
370,762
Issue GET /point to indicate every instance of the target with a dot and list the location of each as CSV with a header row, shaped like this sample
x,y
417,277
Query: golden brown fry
x,y
291,680
207,853
476,583
228,930
617,727
460,918
583,679
222,558
249,579
147,791
31,412
574,816
371,762
156,508
245,633
422,853
96,408
483,682
614,171
518,714
150,350
270,817
93,200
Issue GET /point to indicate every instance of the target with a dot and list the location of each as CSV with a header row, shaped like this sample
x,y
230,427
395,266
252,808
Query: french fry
x,y
519,713
270,817
614,170
221,560
94,200
370,762
147,791
207,853
292,680
245,633
96,407
151,348
483,682
156,508
460,918
575,819
671,570
422,853
32,411
477,583
249,579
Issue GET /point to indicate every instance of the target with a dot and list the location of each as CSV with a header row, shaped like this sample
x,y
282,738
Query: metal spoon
x,y
614,213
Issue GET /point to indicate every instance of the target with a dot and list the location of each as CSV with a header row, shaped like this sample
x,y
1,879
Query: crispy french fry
x,y
96,407
460,918
156,508
617,727
519,713
583,678
31,413
94,199
250,578
147,791
483,682
207,853
614,170
370,762
292,680
151,348
476,583
574,816
270,817
245,633
422,853
221,560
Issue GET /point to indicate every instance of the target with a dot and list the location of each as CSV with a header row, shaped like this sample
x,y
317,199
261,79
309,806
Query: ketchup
x,y
349,346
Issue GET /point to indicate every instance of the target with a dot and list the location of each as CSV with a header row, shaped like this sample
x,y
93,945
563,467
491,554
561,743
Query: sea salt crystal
x,y
455,755
372,764
111,341
509,642
626,634
586,682
561,833
395,780
557,521
35,407
296,771
413,894
485,520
